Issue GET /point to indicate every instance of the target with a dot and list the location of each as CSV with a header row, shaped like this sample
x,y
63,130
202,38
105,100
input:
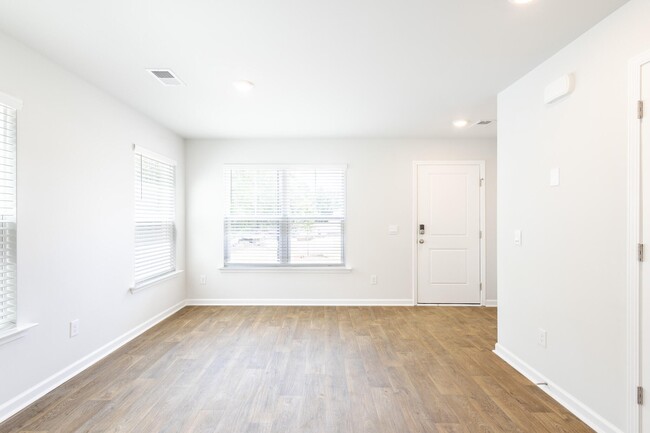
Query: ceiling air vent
x,y
166,77
483,123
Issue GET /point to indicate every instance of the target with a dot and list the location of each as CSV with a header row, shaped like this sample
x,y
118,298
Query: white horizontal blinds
x,y
253,224
283,216
8,133
315,204
155,209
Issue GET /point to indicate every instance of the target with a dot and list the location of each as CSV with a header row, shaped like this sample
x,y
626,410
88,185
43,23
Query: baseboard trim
x,y
303,302
571,403
26,398
491,303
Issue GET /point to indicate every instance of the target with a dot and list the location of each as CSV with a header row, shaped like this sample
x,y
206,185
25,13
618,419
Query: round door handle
x,y
421,241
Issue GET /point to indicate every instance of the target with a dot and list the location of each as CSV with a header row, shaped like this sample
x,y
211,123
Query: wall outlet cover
x,y
541,337
74,328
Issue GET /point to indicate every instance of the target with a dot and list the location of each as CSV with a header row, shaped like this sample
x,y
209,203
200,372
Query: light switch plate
x,y
393,230
554,177
517,238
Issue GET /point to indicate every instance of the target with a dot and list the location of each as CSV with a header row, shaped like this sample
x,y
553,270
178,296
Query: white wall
x,y
75,218
569,275
379,194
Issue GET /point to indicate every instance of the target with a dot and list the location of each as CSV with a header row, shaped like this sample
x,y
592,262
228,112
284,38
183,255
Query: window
x,y
284,216
155,210
8,134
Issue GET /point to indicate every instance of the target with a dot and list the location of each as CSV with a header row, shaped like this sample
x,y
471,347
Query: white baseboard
x,y
23,400
304,302
575,406
491,303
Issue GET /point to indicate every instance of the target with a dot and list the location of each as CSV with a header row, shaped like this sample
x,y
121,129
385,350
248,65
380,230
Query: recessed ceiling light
x,y
461,123
243,85
520,2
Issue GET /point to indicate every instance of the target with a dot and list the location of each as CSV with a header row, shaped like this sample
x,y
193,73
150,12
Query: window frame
x,y
152,280
12,327
284,240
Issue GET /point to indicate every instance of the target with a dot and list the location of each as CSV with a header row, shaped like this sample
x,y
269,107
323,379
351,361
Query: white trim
x,y
575,406
304,302
15,333
414,212
135,288
26,398
10,101
285,166
492,303
450,305
633,239
288,269
151,154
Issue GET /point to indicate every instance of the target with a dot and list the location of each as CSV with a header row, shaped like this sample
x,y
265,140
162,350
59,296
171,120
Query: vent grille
x,y
166,77
163,74
483,122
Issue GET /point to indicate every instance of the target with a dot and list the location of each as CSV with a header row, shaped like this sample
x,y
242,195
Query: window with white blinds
x,y
155,212
284,215
8,132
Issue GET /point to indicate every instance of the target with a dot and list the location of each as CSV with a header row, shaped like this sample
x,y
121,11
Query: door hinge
x,y
641,252
480,182
480,286
640,110
639,395
480,234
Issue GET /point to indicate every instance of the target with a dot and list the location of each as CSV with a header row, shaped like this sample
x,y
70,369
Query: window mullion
x,y
284,241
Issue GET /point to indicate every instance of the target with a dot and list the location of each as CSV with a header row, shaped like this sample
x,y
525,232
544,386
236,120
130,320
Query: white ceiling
x,y
327,68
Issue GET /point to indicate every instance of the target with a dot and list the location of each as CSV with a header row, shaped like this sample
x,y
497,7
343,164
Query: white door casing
x,y
638,282
448,262
644,332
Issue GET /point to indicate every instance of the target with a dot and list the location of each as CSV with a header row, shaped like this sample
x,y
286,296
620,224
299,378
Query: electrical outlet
x,y
204,280
541,337
373,279
74,328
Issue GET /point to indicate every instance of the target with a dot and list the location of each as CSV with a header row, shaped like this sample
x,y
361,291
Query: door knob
x,y
421,241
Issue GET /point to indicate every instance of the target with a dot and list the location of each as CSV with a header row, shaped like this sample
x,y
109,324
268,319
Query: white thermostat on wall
x,y
559,88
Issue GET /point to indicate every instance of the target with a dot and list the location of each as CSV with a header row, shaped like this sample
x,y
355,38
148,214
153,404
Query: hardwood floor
x,y
303,369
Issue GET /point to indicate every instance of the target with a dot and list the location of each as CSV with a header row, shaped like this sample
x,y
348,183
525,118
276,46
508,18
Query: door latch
x,y
421,229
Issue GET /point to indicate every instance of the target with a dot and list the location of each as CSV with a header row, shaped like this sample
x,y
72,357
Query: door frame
x,y
633,240
414,231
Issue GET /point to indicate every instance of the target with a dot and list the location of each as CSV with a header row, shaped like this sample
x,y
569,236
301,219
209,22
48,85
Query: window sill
x,y
155,281
15,333
289,269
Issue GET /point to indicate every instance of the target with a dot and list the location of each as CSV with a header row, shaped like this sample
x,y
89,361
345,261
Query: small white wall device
x,y
559,88
554,177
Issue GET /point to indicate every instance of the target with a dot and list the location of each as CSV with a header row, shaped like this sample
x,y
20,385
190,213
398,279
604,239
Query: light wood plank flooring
x,y
303,369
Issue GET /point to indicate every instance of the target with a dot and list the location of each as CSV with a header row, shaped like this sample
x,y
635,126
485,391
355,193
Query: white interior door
x,y
645,236
449,223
